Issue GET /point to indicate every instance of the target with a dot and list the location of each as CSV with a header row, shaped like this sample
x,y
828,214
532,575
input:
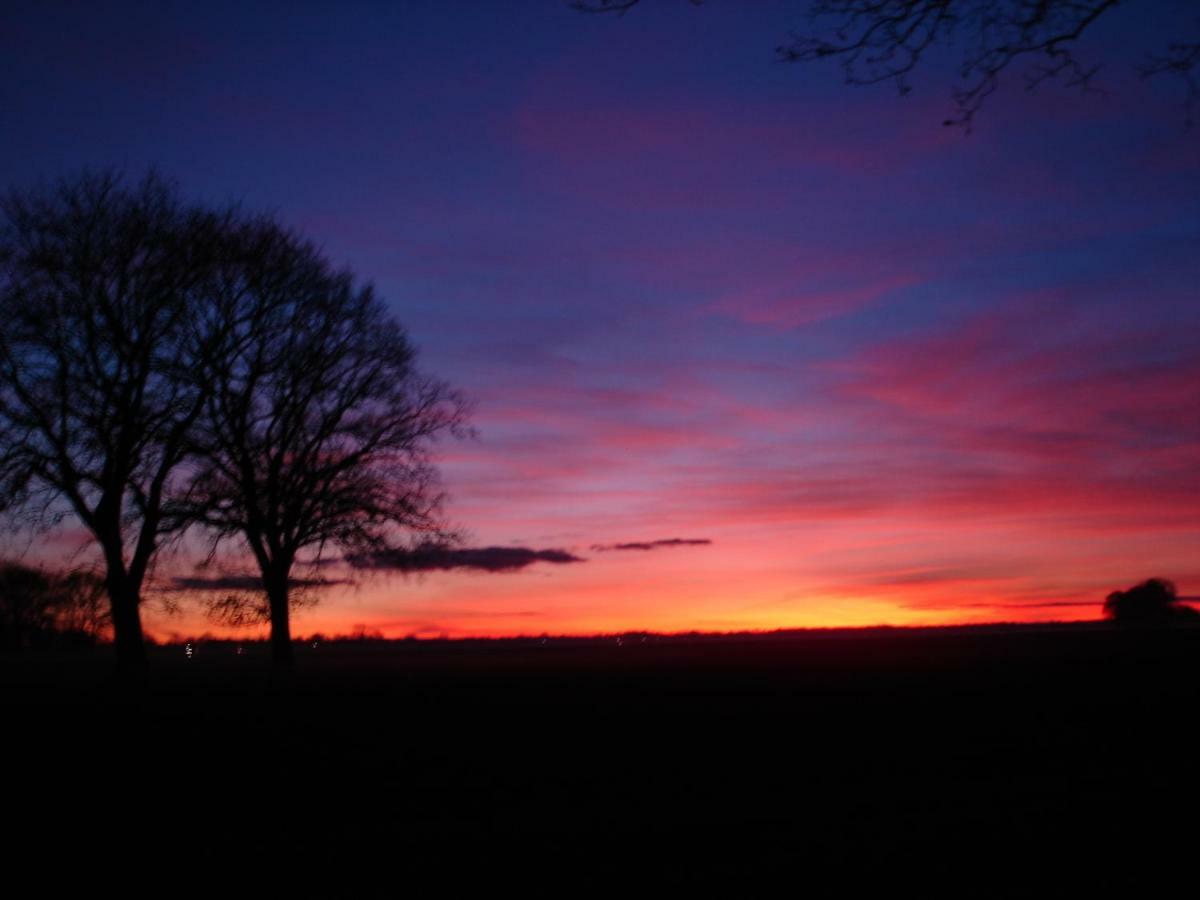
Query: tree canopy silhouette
x,y
887,40
165,365
101,286
1153,602
317,425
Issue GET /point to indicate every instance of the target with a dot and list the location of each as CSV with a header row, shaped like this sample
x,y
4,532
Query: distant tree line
x,y
166,367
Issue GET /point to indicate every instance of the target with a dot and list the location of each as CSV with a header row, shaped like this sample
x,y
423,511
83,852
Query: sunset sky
x,y
859,367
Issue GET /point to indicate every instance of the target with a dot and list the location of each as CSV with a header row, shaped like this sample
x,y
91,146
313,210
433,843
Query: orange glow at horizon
x,y
738,583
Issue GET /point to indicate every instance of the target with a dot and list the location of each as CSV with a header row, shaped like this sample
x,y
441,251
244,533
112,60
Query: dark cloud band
x,y
481,559
243,583
653,545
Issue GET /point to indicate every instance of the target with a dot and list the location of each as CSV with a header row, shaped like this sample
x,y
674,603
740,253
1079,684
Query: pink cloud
x,y
795,306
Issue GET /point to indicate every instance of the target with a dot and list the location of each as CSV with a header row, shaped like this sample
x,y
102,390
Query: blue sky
x,y
892,372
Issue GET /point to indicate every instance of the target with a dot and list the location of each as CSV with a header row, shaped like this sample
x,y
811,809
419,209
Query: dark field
x,y
987,752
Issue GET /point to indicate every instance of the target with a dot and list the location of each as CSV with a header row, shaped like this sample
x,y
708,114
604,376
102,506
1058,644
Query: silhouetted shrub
x,y
26,607
40,609
1152,603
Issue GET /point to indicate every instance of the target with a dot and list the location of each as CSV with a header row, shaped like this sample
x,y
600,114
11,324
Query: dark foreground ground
x,y
985,755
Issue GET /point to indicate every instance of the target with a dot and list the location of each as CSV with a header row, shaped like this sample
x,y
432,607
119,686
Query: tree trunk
x,y
281,632
127,629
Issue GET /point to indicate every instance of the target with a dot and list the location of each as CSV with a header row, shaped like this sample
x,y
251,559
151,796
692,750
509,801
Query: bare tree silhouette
x,y
887,40
99,288
317,427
